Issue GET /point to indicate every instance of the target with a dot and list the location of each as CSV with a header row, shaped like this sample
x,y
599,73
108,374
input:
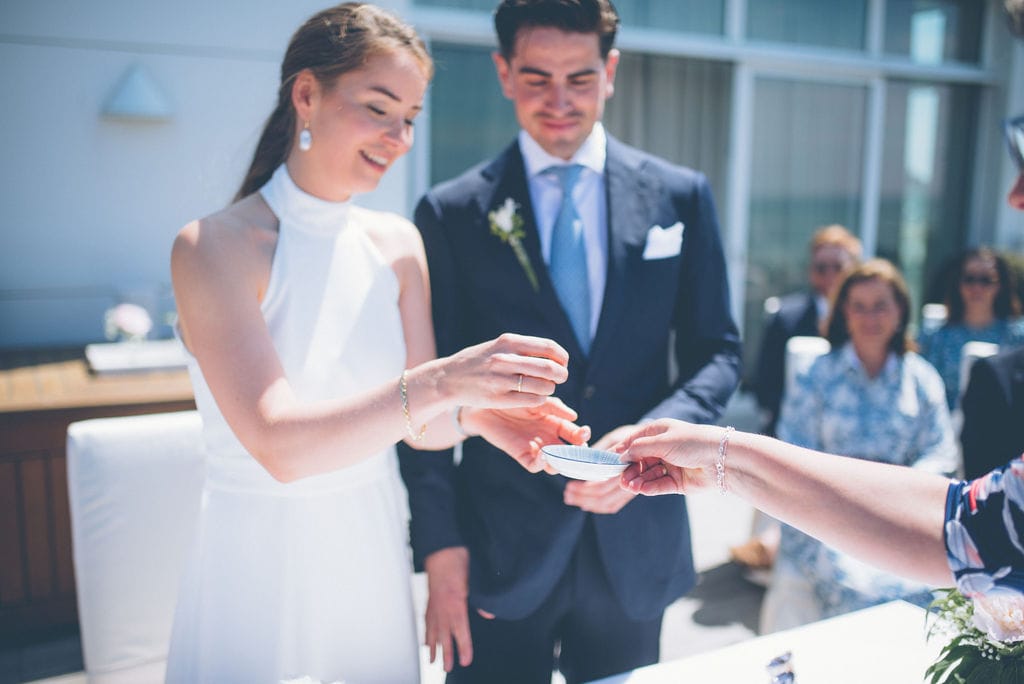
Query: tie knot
x,y
567,175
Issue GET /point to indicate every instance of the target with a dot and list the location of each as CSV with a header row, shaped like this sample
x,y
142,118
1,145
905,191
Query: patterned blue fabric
x,y
898,417
984,522
942,347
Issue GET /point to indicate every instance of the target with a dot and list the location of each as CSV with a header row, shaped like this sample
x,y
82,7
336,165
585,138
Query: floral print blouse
x,y
984,526
900,417
942,347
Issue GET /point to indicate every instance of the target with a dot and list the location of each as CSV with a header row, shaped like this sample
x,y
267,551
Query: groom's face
x,y
558,83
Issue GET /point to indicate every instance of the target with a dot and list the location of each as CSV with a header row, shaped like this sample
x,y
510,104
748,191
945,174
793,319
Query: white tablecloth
x,y
882,645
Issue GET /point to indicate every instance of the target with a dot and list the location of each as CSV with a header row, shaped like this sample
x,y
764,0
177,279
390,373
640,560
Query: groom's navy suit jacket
x,y
519,532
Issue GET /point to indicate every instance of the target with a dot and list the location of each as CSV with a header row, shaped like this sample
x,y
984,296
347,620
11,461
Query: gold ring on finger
x,y
519,385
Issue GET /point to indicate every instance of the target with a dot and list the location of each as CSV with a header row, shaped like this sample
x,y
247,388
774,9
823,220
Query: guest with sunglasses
x,y
993,402
833,250
982,306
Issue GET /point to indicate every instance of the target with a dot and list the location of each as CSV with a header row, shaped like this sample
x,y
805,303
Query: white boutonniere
x,y
507,224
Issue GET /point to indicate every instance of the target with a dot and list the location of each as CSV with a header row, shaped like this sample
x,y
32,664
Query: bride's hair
x,y
331,42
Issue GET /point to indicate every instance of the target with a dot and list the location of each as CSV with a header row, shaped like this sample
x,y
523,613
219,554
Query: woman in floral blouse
x,y
871,398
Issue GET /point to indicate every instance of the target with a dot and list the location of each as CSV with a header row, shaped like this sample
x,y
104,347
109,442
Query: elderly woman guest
x,y
982,306
309,322
871,398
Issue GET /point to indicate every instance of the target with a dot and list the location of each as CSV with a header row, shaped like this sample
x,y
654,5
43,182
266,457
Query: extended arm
x,y
889,516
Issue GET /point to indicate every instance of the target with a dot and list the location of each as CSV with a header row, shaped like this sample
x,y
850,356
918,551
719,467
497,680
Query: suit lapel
x,y
510,181
631,201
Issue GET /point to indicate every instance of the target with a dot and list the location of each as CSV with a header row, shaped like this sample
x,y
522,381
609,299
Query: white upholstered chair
x,y
134,485
800,354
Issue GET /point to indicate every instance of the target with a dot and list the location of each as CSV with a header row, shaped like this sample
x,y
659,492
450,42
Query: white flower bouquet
x,y
985,638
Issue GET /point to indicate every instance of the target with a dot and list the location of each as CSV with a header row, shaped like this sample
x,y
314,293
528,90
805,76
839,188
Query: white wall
x,y
91,204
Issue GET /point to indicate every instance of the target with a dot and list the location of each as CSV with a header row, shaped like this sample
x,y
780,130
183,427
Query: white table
x,y
882,645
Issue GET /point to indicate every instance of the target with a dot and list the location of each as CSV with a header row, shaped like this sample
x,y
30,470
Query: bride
x,y
308,322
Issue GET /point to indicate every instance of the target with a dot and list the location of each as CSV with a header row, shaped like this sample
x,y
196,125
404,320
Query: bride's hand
x,y
506,372
521,432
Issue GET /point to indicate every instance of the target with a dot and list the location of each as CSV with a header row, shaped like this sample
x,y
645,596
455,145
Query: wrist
x,y
720,459
425,401
442,560
469,421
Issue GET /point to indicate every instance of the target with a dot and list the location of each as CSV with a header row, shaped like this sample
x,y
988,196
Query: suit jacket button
x,y
589,391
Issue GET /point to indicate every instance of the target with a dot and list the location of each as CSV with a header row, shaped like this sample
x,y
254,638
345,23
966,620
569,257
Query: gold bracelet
x,y
403,389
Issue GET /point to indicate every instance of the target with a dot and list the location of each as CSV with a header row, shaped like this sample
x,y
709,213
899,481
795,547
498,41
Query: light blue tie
x,y
568,263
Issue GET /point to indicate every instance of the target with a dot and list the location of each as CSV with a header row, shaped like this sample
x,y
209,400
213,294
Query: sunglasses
x,y
1014,131
978,280
825,267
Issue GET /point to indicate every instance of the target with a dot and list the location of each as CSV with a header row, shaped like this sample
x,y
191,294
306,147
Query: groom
x,y
615,254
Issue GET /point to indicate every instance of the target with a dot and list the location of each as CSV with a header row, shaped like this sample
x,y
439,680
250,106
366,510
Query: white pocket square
x,y
663,242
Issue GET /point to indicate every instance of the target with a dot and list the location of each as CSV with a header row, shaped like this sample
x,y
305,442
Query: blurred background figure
x,y
993,413
993,402
871,397
982,306
833,249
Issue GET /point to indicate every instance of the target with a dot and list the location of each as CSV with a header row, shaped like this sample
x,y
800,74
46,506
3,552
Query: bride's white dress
x,y
310,578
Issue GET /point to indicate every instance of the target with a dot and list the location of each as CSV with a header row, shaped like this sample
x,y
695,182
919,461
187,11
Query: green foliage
x,y
970,655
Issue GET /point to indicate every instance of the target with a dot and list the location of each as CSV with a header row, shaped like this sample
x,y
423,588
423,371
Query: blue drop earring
x,y
305,138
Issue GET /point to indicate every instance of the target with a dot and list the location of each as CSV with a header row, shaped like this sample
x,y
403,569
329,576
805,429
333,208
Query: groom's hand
x,y
521,432
601,497
447,618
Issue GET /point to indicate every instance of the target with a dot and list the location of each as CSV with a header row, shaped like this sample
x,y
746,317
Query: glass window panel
x,y
926,180
934,31
487,5
466,127
678,109
806,172
689,16
808,22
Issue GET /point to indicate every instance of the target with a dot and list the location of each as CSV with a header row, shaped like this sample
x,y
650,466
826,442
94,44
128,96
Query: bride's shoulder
x,y
246,230
393,235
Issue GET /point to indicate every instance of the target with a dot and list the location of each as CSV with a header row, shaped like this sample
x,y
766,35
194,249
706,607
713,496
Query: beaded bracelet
x,y
403,389
723,447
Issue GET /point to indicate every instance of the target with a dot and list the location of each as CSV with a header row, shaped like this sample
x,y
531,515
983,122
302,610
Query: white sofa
x,y
134,485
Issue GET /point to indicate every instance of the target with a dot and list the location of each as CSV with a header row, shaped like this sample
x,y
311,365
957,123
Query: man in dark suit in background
x,y
993,408
615,254
833,249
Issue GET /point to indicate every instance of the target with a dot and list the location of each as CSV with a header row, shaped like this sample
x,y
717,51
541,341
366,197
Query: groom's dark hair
x,y
572,16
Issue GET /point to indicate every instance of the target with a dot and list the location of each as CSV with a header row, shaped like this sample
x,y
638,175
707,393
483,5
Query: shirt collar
x,y
852,361
591,154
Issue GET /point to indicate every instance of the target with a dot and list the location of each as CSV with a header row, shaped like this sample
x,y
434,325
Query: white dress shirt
x,y
589,196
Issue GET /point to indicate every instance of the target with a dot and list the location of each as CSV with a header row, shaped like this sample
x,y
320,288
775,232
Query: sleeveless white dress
x,y
310,578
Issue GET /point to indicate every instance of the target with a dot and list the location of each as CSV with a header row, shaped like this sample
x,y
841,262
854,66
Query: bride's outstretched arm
x,y
220,267
887,515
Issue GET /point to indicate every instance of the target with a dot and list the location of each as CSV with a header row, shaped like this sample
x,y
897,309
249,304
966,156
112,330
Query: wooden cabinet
x,y
41,393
